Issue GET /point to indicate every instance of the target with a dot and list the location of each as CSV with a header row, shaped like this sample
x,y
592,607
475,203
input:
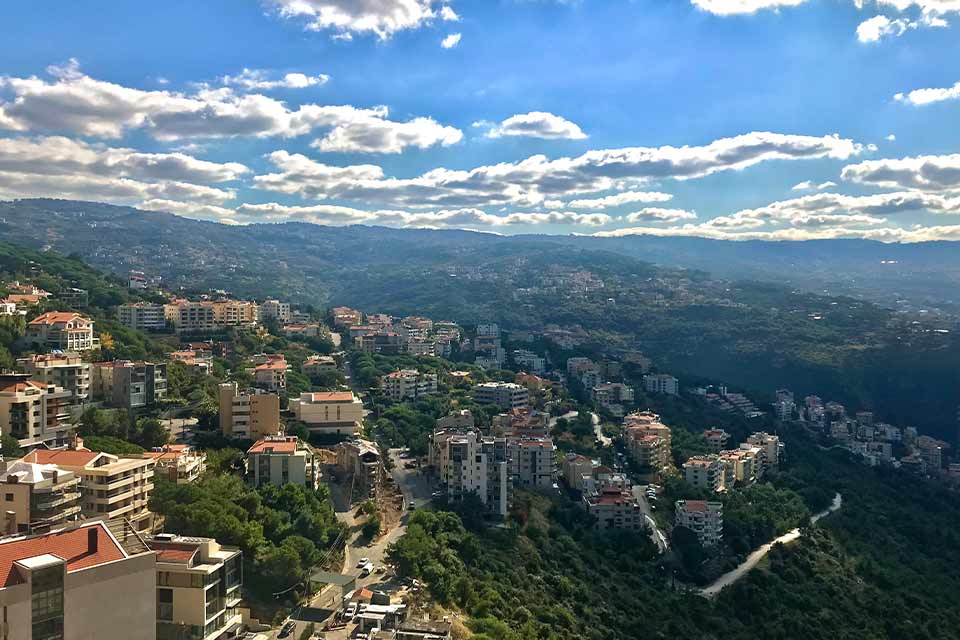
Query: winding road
x,y
754,558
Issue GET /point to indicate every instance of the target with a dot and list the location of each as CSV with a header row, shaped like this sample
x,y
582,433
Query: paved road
x,y
594,418
754,558
640,493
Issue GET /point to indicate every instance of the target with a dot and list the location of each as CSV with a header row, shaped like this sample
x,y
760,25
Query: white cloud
x,y
891,138
807,185
536,124
451,41
258,79
928,173
536,179
740,7
878,27
189,209
620,199
657,214
381,17
76,103
448,14
923,97
884,234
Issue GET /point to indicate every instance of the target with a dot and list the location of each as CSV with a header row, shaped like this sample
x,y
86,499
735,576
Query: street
x,y
639,492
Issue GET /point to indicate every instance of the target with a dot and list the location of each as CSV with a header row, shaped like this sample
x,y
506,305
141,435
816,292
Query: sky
x,y
728,119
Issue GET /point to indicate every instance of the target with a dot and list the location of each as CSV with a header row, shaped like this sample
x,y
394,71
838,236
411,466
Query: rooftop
x,y
57,317
275,445
73,546
63,457
328,396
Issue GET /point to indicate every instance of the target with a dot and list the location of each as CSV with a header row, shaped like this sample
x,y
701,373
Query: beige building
x,y
76,584
329,412
143,316
317,365
506,395
703,518
743,465
361,459
282,460
346,317
111,487
67,370
62,330
705,472
211,316
34,412
408,384
575,468
131,385
271,375
198,584
250,414
532,462
648,441
615,508
771,447
275,310
178,463
469,463
36,498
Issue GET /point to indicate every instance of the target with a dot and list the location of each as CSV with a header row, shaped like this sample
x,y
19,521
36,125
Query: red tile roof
x,y
278,446
695,505
72,546
69,457
56,317
331,396
273,365
17,386
172,552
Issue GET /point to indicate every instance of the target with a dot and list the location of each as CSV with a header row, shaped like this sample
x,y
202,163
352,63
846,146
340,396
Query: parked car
x,y
366,570
287,629
350,611
362,562
412,507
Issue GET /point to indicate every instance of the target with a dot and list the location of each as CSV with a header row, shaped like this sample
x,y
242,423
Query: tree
x,y
152,433
371,528
10,447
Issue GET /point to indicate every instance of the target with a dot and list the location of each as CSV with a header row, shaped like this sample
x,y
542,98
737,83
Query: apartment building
x,y
704,472
420,347
34,412
532,462
703,518
329,412
306,330
575,468
361,459
612,396
408,384
615,508
346,317
76,583
316,366
744,465
211,316
143,316
522,422
111,487
196,361
282,460
66,370
530,361
771,447
198,584
716,439
647,440
178,463
506,395
62,330
472,464
271,375
275,310
36,498
250,414
131,385
661,383
388,343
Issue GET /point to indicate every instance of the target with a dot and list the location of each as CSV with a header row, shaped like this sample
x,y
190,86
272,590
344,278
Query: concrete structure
x,y
346,317
305,330
66,331
506,395
250,414
388,343
143,316
131,385
316,366
66,370
178,463
615,509
211,316
462,419
35,412
197,588
575,468
36,498
282,460
704,472
533,462
76,584
744,465
530,361
771,447
198,361
409,384
361,459
329,412
703,518
271,375
661,383
468,463
648,441
275,310
716,439
612,396
112,487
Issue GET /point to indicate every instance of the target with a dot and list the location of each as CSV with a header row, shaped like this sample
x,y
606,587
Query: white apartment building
x,y
704,472
35,412
770,445
271,375
142,316
530,361
76,583
716,439
276,310
744,464
533,462
703,518
178,463
506,395
63,330
329,412
35,498
198,584
282,460
66,370
661,383
408,384
469,463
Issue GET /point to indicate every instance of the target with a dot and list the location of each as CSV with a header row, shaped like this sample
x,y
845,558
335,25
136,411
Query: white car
x,y
350,611
362,562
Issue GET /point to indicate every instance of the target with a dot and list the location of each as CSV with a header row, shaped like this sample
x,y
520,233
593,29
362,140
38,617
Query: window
x,y
165,605
47,603
8,497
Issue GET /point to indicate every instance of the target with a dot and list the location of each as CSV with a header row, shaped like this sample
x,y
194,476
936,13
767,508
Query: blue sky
x,y
781,119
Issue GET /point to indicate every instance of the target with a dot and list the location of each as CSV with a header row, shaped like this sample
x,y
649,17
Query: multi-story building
x,y
612,396
744,465
716,439
282,460
615,509
388,343
704,472
305,330
420,347
409,384
211,316
506,395
76,583
648,441
235,313
111,487
36,498
661,383
131,385
522,422
275,310
472,464
488,330
143,316
361,459
74,297
34,412
63,330
530,361
198,585
533,462
931,451
178,463
575,468
461,419
329,412
250,414
316,366
197,361
703,518
66,370
771,447
346,317
271,375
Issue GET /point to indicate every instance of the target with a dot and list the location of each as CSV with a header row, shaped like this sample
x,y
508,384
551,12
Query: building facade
x,y
36,498
66,331
329,412
703,518
66,370
142,316
131,385
282,460
35,413
409,384
506,395
250,414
